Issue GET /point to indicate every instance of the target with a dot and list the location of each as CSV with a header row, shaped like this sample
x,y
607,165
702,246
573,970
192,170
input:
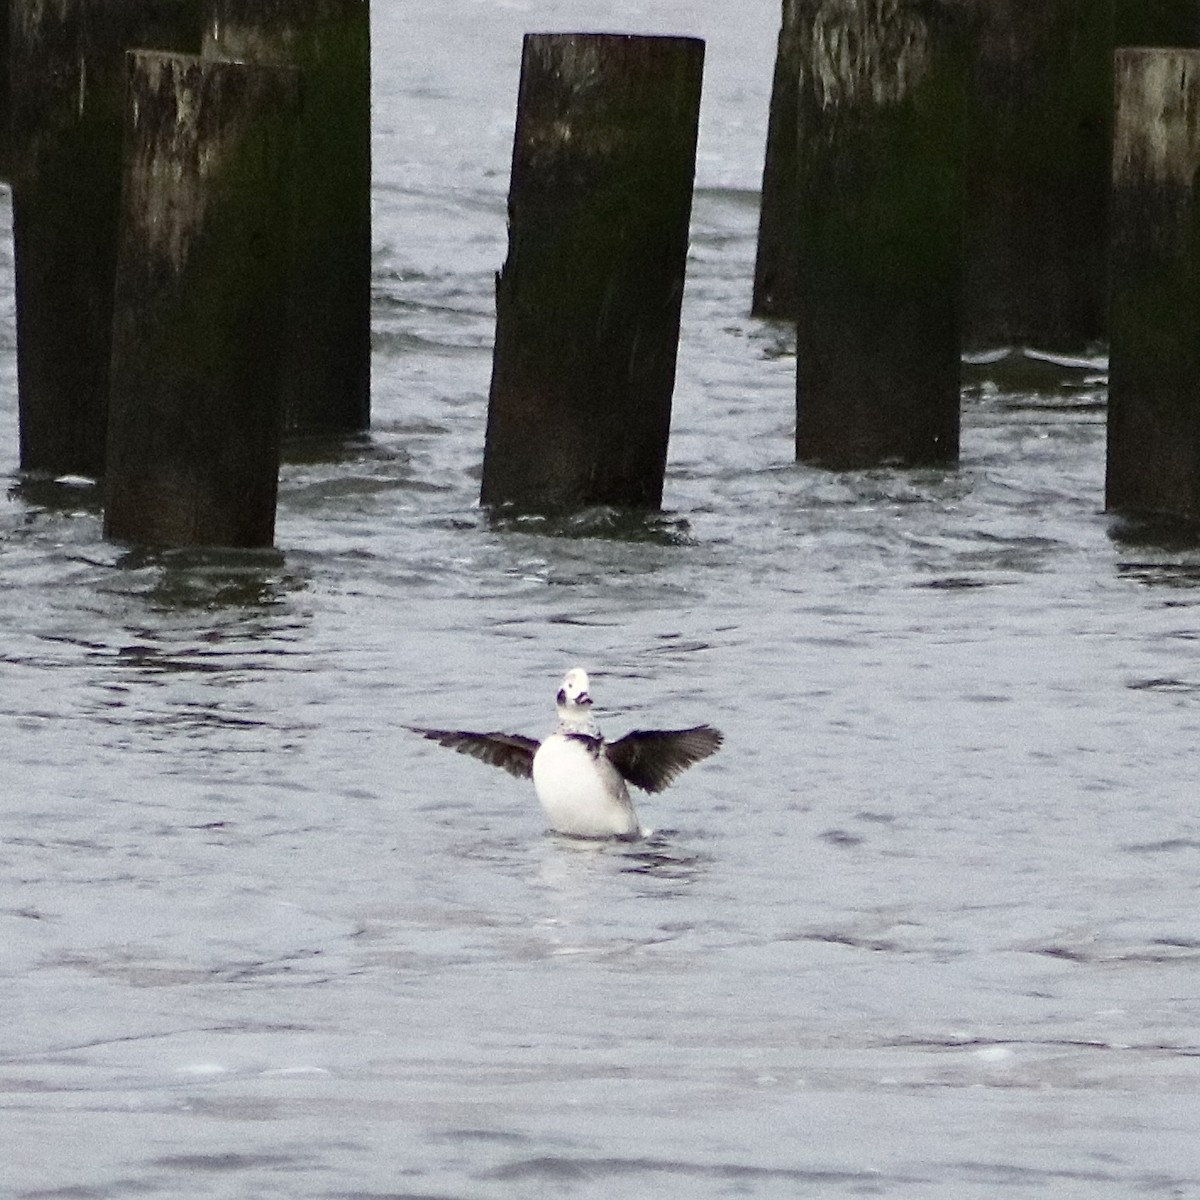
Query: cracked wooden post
x,y
775,260
1041,121
588,302
1154,370
67,74
880,188
327,368
202,282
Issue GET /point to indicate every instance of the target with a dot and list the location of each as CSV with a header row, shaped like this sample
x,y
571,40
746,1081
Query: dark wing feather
x,y
652,758
508,750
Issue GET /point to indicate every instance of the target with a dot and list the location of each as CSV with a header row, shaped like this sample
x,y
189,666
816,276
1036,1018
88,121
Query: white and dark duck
x,y
579,777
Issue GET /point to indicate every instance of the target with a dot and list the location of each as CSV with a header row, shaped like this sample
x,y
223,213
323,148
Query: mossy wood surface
x,y
200,295
775,261
1154,371
68,84
588,302
1040,144
880,205
327,368
1157,23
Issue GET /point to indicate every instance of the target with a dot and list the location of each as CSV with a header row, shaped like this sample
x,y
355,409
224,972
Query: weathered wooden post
x,y
202,282
67,84
880,190
1154,369
775,261
327,367
588,302
1041,120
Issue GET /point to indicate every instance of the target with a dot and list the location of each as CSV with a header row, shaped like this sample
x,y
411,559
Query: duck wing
x,y
652,758
510,751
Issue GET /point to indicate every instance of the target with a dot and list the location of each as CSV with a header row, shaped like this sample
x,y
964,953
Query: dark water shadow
x,y
212,577
1158,550
336,449
657,855
1025,370
58,493
1156,531
567,1173
599,522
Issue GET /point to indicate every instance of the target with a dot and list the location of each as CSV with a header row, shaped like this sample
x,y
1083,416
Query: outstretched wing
x,y
652,758
508,750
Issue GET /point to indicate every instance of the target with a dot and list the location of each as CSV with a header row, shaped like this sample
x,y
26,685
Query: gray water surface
x,y
927,927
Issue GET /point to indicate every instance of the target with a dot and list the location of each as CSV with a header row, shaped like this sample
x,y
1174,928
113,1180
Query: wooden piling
x,y
67,85
1154,370
201,288
775,261
327,367
882,102
1040,143
588,302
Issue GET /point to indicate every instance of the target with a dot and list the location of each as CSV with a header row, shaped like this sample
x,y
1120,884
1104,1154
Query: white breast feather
x,y
582,795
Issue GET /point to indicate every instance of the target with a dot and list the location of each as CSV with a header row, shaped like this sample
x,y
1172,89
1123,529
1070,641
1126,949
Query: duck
x,y
581,779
